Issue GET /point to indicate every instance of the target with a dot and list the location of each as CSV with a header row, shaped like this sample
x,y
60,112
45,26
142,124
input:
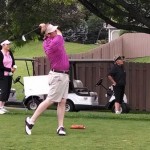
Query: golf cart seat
x,y
81,90
77,84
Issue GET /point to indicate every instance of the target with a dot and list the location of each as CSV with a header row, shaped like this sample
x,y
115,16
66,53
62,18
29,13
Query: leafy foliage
x,y
96,30
20,17
24,15
79,34
122,14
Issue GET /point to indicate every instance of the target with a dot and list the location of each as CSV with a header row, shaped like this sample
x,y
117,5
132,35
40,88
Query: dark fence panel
x,y
41,66
137,88
147,91
89,72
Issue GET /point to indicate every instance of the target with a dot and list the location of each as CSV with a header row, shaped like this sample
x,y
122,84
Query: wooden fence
x,y
90,71
131,45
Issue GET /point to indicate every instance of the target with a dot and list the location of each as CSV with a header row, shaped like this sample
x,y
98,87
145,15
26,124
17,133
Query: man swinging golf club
x,y
53,46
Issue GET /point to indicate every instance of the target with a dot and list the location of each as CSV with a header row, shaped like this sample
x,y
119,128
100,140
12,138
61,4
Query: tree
x,y
133,15
95,29
23,15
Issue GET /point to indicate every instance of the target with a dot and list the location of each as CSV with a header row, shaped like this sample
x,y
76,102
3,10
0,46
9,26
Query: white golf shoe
x,y
28,126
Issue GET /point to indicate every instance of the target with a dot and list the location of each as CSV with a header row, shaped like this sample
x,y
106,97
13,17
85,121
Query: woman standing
x,y
7,67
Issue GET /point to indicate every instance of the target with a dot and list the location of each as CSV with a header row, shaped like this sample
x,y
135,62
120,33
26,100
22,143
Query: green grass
x,y
104,131
142,59
34,49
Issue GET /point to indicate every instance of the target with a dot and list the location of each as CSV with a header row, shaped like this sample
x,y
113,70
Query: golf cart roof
x,y
90,60
25,59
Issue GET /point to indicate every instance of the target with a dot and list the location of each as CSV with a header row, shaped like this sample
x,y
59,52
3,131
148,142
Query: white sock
x,y
31,122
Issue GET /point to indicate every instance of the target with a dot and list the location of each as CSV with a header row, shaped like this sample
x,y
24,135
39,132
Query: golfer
x,y
117,76
53,46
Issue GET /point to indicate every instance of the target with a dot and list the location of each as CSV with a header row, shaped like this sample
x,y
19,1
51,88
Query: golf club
x,y
23,36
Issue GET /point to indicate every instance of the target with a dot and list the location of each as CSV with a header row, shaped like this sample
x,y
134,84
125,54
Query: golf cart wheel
x,y
69,106
124,108
33,104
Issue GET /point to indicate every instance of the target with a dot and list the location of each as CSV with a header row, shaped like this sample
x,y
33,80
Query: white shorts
x,y
58,86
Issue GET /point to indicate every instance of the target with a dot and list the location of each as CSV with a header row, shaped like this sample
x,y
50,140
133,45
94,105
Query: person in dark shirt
x,y
117,76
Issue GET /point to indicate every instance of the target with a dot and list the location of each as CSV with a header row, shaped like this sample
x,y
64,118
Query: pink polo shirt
x,y
7,62
56,53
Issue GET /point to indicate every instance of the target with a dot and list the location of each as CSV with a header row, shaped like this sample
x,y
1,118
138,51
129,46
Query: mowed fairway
x,y
104,131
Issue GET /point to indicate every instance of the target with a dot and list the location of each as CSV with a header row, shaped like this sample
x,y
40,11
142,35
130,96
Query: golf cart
x,y
36,87
28,101
111,98
79,97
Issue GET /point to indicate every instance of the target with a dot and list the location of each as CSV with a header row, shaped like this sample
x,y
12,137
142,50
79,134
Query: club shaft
x,y
31,31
